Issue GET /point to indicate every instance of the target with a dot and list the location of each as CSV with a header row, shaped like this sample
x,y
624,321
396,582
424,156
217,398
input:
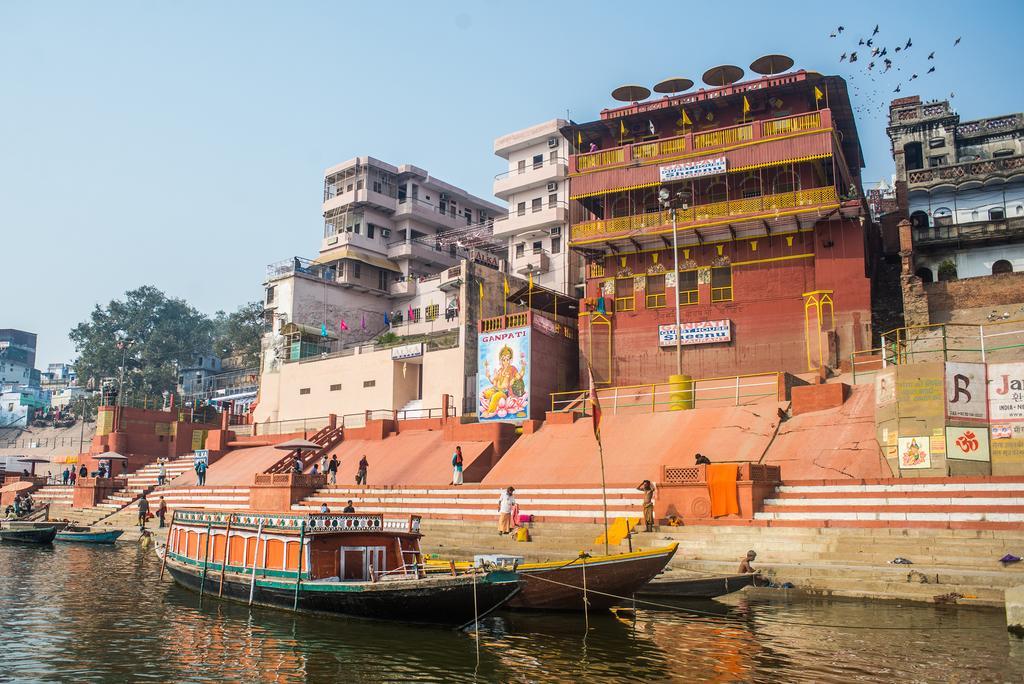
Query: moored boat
x,y
697,587
88,535
350,564
29,534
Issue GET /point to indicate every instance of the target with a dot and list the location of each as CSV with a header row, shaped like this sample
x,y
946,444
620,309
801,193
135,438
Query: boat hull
x,y
442,601
105,537
29,535
610,580
698,588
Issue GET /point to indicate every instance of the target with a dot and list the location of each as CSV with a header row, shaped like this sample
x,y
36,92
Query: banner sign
x,y
503,375
407,351
200,456
703,332
703,167
1006,391
965,392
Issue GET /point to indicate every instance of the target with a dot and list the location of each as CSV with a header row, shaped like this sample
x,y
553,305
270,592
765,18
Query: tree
x,y
238,333
153,333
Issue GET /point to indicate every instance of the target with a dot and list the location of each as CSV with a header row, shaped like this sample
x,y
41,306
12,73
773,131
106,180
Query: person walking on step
x,y
201,473
506,503
143,511
361,473
457,466
324,463
648,489
161,474
161,511
332,469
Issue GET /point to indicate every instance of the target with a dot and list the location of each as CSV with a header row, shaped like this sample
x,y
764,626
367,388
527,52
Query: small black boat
x,y
697,587
357,565
29,534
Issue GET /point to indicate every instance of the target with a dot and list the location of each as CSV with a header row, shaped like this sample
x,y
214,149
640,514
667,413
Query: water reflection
x,y
99,614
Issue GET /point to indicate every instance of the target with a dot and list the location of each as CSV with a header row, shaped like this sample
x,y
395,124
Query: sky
x,y
183,144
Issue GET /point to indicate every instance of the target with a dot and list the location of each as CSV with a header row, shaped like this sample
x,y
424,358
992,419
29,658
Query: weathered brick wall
x,y
944,297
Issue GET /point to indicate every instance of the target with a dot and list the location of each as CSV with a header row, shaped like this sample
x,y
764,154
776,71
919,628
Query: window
x,y
520,249
785,180
717,192
348,188
939,160
417,316
538,161
469,216
936,143
553,157
521,208
369,230
913,157
359,185
655,292
270,294
356,268
538,247
721,284
537,204
356,228
522,166
556,245
624,299
433,311
919,219
996,214
1002,266
552,201
687,288
382,279
750,187
377,187
336,388
415,191
304,390
369,383
1002,153
942,216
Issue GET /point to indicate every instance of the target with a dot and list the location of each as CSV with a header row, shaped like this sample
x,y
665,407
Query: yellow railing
x,y
492,324
596,160
705,212
723,136
793,124
516,320
659,148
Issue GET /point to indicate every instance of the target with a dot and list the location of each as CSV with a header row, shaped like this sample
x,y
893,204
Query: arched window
x,y
925,274
974,215
717,192
942,216
996,214
620,207
919,219
786,180
1020,210
651,202
1002,266
750,186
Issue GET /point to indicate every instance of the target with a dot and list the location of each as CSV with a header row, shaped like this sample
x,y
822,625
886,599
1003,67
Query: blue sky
x,y
182,144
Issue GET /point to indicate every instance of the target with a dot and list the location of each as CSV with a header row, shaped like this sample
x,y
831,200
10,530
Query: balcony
x,y
533,175
973,232
409,208
694,144
451,279
753,209
403,288
956,174
536,261
548,215
361,196
420,251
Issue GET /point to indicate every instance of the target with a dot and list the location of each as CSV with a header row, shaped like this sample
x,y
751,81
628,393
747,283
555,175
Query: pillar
x,y
1014,597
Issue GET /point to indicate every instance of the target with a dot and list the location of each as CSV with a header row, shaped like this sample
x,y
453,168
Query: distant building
x,y
536,187
881,200
206,381
18,358
961,185
57,377
18,404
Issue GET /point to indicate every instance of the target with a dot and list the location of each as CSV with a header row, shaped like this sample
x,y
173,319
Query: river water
x,y
84,614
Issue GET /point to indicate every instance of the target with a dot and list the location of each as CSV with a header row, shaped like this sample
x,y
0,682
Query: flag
x,y
622,128
323,329
595,406
651,128
579,139
410,312
480,284
746,105
506,287
686,118
817,96
343,325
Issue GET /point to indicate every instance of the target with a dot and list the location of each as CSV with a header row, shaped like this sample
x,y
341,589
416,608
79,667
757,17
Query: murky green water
x,y
77,613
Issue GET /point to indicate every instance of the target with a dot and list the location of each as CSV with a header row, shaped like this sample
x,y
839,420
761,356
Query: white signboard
x,y
702,167
1006,391
965,395
201,456
704,332
967,443
407,351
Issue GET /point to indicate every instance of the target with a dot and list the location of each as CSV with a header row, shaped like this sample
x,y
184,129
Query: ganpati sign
x,y
503,375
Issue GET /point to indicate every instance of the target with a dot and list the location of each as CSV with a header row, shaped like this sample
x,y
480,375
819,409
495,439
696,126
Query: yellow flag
x,y
506,287
818,94
746,105
531,280
686,118
622,128
481,284
579,139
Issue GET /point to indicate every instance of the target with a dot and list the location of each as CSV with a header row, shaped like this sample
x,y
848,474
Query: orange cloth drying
x,y
722,489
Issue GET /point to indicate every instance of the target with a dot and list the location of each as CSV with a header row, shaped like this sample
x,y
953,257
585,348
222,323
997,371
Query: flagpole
x,y
604,495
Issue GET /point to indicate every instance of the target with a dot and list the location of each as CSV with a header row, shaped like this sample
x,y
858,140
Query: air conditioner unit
x,y
552,186
557,230
552,142
385,232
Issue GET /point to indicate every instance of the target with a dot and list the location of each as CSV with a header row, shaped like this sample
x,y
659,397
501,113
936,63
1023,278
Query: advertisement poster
x,y
1006,391
965,391
200,456
503,375
702,167
914,452
967,443
885,387
703,332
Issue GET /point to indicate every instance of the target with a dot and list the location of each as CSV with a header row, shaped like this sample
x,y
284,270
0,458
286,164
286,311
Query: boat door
x,y
356,561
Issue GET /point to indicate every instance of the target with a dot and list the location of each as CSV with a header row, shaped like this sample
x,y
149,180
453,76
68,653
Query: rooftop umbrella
x,y
722,75
631,93
33,460
769,65
676,84
111,456
300,444
17,487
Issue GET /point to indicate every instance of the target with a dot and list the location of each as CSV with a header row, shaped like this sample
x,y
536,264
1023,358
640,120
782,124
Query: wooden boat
x,y
88,535
29,534
558,585
697,587
359,565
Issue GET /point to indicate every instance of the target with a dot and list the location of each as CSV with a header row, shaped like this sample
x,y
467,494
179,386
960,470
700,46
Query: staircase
x,y
57,495
143,481
327,437
975,503
413,409
480,502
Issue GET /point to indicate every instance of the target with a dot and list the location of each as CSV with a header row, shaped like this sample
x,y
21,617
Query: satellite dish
x,y
723,75
631,93
769,65
675,84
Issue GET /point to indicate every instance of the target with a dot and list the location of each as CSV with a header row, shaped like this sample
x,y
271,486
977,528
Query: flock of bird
x,y
877,65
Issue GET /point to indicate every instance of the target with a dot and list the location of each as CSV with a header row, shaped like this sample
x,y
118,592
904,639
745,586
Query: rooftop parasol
x,y
17,487
723,75
769,65
111,456
631,93
33,460
300,444
675,84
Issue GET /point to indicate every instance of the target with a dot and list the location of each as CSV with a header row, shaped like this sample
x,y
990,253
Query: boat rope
x,y
702,613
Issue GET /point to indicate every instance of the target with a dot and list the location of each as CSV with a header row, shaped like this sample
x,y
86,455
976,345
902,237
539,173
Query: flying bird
x,y
931,55
909,43
952,95
860,42
840,29
842,57
956,42
913,77
888,63
898,48
871,65
831,35
884,52
870,42
874,53
875,32
931,70
853,57
897,89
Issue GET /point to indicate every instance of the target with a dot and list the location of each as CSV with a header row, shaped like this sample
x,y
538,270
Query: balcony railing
x,y
954,172
973,231
644,152
705,212
530,166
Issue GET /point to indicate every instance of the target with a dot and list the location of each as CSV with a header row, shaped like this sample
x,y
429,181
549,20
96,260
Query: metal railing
x,y
531,166
286,427
734,390
971,231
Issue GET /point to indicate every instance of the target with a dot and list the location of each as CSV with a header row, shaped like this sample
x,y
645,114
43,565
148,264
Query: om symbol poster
x,y
503,375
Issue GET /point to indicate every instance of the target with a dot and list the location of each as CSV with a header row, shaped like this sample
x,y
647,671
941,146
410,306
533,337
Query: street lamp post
x,y
665,197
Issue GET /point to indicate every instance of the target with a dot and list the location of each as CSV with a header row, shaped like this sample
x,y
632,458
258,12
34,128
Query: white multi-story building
x,y
536,187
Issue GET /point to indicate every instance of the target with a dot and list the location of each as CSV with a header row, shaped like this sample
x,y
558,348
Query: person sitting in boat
x,y
27,503
349,508
746,563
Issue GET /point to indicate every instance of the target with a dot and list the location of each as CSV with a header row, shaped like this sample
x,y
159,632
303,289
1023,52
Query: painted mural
x,y
503,377
967,443
915,452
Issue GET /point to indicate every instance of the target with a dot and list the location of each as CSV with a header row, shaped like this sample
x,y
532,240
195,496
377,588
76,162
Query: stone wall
x,y
1003,290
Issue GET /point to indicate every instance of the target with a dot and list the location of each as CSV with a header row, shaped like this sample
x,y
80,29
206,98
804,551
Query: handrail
x,y
648,396
530,166
940,342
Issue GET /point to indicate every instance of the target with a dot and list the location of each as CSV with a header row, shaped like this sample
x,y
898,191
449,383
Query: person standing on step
x,y
161,475
297,465
143,511
161,511
83,471
361,473
324,463
457,466
201,473
324,508
505,505
349,508
73,477
65,475
332,468
648,489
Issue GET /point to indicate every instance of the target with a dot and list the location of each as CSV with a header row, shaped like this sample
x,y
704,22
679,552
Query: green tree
x,y
153,333
238,333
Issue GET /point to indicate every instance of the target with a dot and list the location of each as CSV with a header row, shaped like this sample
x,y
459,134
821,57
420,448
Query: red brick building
x,y
772,271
